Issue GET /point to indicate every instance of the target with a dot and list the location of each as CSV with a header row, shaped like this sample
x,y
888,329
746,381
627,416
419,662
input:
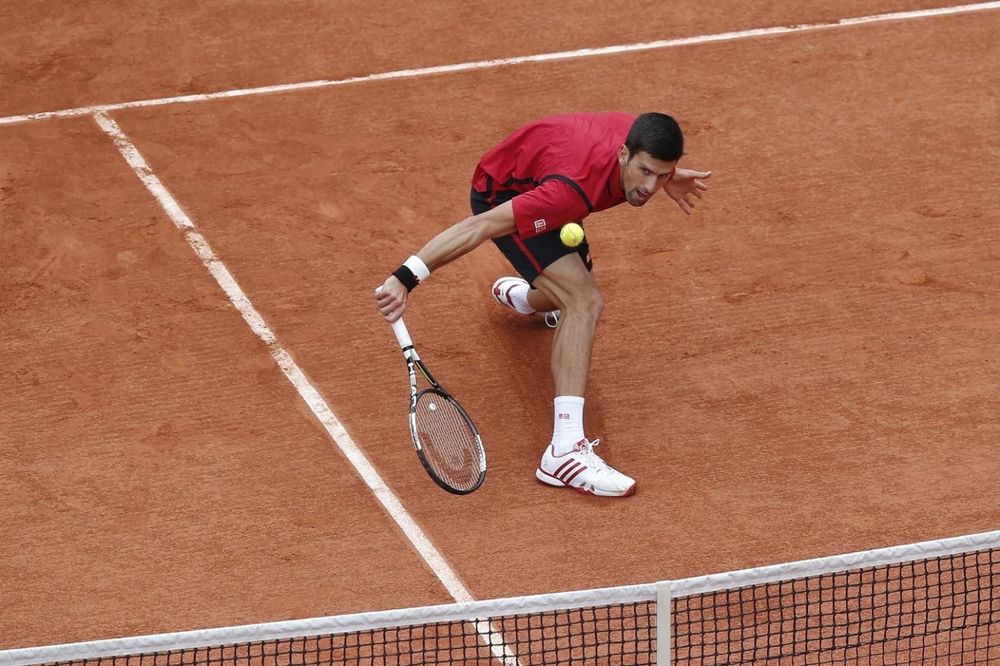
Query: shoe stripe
x,y
558,472
569,470
502,290
569,480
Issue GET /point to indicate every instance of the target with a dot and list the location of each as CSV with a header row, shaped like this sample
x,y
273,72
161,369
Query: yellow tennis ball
x,y
571,234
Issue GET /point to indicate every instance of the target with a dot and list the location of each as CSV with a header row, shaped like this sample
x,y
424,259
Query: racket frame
x,y
413,363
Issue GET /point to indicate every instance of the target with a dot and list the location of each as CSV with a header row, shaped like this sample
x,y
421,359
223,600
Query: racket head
x,y
447,441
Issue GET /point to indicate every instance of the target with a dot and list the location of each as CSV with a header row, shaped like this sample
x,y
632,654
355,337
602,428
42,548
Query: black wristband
x,y
406,276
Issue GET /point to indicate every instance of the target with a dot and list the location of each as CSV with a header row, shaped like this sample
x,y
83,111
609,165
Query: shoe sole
x,y
550,480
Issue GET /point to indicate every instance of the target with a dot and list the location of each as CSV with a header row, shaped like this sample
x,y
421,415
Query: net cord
x,y
480,610
834,564
338,624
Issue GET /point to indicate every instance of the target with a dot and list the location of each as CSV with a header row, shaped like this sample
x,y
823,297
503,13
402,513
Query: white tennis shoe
x,y
501,293
583,470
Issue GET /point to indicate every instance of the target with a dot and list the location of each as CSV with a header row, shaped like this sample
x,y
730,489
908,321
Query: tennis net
x,y
926,603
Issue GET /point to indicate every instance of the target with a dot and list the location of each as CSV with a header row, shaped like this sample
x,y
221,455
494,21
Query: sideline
x,y
310,395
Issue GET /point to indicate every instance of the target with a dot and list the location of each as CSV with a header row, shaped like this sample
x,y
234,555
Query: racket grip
x,y
402,334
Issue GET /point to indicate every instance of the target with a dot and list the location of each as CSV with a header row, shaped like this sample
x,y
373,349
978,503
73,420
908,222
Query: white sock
x,y
519,297
567,427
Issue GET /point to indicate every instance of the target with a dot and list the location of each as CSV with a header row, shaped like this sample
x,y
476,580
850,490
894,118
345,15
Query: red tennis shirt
x,y
562,168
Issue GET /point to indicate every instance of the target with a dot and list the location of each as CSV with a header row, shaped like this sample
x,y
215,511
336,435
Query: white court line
x,y
503,62
393,506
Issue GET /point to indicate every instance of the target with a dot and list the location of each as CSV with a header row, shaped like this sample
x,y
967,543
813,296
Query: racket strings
x,y
448,440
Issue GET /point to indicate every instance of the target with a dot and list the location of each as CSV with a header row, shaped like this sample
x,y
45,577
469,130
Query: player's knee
x,y
596,304
589,302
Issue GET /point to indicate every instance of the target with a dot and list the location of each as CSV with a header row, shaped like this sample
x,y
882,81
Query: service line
x,y
504,62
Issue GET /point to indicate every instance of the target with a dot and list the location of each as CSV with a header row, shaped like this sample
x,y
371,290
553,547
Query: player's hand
x,y
686,186
391,299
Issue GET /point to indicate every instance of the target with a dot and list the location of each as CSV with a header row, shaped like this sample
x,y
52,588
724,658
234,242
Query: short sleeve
x,y
547,207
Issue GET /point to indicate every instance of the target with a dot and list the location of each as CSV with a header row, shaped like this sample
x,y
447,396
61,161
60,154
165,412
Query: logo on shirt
x,y
540,225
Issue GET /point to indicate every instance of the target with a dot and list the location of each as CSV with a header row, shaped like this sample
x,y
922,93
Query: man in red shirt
x,y
546,174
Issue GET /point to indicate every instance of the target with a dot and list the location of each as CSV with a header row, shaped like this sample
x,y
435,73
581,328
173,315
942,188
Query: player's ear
x,y
623,155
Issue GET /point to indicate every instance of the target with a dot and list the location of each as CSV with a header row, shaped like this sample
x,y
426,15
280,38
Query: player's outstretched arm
x,y
685,186
455,241
465,236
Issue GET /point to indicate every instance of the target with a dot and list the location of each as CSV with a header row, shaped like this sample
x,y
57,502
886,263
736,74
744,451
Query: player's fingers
x,y
700,185
392,314
387,303
697,193
382,296
396,313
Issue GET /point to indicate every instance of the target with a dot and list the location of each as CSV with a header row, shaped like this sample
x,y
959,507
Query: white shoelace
x,y
594,461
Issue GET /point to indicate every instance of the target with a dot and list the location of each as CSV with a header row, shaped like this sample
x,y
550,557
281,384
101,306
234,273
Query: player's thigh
x,y
568,279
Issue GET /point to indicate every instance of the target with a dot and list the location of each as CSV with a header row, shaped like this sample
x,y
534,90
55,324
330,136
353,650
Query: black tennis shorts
x,y
528,256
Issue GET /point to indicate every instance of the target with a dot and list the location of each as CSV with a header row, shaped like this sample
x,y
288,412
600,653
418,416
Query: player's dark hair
x,y
657,134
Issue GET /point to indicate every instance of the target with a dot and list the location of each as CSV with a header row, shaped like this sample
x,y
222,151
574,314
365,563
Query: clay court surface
x,y
806,366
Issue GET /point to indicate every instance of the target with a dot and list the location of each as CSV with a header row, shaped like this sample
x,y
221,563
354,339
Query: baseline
x,y
520,60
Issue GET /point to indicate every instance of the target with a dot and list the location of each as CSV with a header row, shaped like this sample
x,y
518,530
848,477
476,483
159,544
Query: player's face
x,y
643,175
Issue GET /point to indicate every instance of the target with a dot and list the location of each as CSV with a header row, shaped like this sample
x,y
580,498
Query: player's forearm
x,y
465,236
452,243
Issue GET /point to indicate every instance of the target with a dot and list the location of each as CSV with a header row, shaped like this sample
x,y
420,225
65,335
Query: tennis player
x,y
546,174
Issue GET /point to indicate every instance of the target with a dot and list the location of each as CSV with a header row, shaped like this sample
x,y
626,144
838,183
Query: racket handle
x,y
402,335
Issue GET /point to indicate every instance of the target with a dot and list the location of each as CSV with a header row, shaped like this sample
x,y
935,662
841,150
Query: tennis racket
x,y
446,439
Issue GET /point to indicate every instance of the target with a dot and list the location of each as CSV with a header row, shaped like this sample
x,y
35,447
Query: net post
x,y
663,619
